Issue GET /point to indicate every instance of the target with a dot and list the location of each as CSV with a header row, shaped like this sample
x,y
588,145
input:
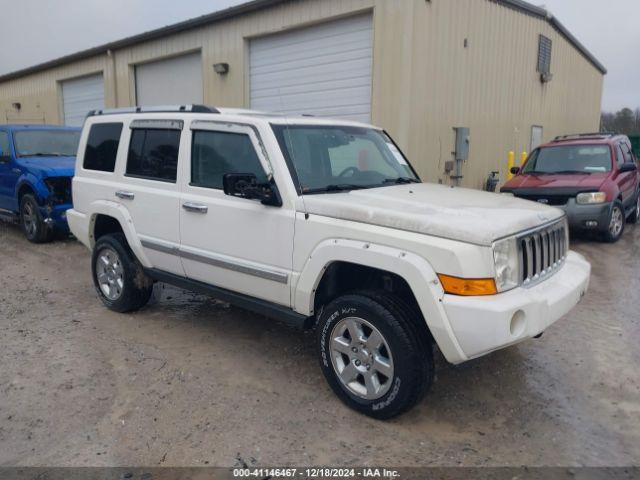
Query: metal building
x,y
425,70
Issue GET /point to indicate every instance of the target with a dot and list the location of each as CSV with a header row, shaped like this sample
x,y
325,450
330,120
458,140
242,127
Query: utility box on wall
x,y
462,143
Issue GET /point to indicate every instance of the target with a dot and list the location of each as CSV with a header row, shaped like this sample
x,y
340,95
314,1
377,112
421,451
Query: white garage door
x,y
323,70
175,81
81,95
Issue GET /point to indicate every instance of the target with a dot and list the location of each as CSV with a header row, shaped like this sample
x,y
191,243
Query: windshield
x,y
570,159
46,143
335,158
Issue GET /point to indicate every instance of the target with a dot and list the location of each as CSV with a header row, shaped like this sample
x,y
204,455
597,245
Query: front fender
x,y
35,184
415,270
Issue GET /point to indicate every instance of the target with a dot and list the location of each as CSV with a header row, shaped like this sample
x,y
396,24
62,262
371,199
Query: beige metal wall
x,y
425,82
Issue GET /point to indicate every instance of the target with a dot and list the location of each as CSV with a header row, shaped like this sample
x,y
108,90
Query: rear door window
x,y
153,154
102,147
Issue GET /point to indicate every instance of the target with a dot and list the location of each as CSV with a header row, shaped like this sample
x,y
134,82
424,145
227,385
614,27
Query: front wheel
x,y
374,353
118,276
616,223
32,222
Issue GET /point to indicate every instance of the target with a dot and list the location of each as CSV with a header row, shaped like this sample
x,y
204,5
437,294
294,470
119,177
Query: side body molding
x,y
415,270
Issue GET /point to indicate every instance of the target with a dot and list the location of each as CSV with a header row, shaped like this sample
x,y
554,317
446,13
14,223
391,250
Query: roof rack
x,y
575,136
156,109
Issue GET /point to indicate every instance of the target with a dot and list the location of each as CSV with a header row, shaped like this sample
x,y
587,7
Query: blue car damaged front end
x,y
50,179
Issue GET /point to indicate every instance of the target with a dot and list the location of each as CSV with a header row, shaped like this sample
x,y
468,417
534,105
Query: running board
x,y
256,305
8,215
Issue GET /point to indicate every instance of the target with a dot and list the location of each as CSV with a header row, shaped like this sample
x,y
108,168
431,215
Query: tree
x,y
625,121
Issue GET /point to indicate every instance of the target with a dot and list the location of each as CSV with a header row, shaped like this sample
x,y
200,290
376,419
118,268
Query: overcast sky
x,y
34,31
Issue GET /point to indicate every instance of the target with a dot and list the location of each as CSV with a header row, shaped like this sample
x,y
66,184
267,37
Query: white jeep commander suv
x,y
319,223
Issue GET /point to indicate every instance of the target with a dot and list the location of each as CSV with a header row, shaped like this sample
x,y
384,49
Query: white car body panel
x,y
279,254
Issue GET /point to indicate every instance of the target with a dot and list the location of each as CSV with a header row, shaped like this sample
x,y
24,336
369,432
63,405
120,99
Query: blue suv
x,y
36,167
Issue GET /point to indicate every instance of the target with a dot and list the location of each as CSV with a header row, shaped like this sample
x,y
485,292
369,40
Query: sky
x,y
39,30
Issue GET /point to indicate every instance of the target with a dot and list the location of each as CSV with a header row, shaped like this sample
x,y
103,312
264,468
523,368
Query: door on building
x,y
79,96
323,70
174,81
536,137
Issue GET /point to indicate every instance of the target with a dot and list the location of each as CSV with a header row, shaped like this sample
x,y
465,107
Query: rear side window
x,y
102,147
217,153
153,154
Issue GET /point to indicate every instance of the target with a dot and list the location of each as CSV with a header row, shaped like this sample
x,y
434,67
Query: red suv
x,y
593,177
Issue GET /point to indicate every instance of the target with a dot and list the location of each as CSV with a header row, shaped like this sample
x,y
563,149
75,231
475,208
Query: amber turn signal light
x,y
468,287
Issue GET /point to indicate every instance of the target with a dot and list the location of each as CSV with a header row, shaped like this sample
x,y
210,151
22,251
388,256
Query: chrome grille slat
x,y
541,252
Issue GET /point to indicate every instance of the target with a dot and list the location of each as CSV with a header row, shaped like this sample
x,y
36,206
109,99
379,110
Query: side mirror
x,y
245,185
515,170
627,167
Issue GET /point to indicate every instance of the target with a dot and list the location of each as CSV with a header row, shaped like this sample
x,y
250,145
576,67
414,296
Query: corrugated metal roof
x,y
255,5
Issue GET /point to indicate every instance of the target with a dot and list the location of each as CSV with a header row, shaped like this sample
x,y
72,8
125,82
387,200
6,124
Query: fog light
x,y
591,223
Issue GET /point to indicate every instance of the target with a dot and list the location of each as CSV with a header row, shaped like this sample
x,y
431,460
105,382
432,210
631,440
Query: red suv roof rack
x,y
578,136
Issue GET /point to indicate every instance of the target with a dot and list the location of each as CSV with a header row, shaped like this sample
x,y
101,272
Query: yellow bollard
x,y
523,157
510,164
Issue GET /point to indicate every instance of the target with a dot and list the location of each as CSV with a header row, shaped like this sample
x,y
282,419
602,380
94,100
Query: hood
x,y
578,181
460,214
49,166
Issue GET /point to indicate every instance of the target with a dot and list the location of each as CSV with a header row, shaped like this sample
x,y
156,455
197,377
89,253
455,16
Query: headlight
x,y
591,197
505,257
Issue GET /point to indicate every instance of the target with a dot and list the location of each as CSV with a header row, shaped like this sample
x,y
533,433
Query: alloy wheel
x,y
29,219
110,274
361,358
617,222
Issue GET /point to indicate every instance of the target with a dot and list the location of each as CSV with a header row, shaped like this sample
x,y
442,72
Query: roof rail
x,y
575,136
156,109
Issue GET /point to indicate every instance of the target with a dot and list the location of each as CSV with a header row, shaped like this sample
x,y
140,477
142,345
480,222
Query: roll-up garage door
x,y
174,81
322,70
81,95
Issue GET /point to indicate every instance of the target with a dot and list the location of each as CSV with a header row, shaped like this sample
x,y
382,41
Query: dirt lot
x,y
190,381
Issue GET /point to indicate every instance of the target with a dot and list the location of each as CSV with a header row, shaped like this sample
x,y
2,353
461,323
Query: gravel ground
x,y
189,381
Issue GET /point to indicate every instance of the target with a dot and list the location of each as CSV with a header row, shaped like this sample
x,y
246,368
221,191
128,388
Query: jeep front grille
x,y
542,252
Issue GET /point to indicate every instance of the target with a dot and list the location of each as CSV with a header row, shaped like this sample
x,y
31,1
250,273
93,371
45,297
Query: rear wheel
x,y
374,353
118,276
32,222
635,216
616,223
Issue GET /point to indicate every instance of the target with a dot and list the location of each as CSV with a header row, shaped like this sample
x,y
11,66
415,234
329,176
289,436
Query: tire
x,y
635,216
118,276
403,344
32,222
617,217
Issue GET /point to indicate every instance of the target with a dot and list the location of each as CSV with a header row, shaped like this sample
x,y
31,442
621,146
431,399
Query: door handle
x,y
195,207
125,195
16,170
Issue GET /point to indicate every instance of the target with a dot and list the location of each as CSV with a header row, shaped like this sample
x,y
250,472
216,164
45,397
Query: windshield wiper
x,y
342,187
401,180
572,171
42,154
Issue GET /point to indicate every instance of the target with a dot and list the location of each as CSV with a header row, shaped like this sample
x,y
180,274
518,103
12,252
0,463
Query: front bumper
x,y
484,324
55,216
587,217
